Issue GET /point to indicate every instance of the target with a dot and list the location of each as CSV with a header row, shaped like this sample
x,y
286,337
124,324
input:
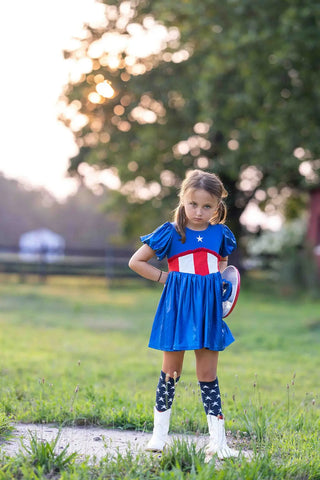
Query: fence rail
x,y
111,263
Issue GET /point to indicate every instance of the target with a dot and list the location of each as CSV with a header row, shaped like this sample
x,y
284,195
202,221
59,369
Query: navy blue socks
x,y
211,399
165,392
210,394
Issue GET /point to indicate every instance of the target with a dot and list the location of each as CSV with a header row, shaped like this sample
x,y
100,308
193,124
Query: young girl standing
x,y
189,314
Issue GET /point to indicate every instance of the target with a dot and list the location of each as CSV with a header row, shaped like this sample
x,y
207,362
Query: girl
x,y
189,314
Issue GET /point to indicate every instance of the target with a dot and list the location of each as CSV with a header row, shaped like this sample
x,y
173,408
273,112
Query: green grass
x,y
72,349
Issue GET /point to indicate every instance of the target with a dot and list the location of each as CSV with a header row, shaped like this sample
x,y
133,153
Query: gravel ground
x,y
93,442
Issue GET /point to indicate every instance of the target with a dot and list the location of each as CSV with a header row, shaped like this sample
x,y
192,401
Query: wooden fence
x,y
110,263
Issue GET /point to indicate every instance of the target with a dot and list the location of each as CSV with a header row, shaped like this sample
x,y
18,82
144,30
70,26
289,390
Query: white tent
x,y
41,245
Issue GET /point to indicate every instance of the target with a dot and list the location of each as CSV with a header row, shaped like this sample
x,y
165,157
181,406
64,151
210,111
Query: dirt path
x,y
93,442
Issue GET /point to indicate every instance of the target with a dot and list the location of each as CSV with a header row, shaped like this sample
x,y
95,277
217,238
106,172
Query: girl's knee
x,y
173,363
206,373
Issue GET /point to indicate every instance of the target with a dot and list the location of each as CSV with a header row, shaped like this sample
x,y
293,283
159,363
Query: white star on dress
x,y
199,238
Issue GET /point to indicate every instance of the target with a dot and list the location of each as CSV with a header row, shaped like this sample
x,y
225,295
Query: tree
x,y
232,89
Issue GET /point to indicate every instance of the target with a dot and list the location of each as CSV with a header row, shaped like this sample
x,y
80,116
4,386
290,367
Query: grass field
x,y
75,352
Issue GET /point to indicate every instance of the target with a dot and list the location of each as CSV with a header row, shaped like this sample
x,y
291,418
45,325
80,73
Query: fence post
x,y
42,265
109,263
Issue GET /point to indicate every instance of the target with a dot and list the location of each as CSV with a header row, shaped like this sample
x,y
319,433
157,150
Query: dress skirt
x,y
189,314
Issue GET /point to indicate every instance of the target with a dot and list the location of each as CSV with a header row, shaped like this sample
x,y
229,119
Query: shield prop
x,y
231,287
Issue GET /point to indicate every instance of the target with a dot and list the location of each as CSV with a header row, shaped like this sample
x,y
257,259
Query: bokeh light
x,y
105,89
94,97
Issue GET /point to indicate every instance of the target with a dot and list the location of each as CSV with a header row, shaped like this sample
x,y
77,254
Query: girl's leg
x,y
207,362
206,366
169,376
172,362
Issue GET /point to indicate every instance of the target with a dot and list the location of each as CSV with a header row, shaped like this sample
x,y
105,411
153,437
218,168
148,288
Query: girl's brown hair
x,y
211,183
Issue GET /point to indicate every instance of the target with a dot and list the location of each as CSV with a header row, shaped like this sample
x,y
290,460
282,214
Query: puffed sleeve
x,y
228,243
160,239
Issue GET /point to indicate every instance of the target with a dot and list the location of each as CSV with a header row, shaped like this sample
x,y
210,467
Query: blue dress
x,y
189,314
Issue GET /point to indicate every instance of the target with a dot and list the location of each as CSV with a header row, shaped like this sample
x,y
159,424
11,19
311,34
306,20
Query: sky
x,y
35,146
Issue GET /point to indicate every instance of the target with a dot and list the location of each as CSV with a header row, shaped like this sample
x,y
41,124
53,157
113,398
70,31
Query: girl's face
x,y
200,207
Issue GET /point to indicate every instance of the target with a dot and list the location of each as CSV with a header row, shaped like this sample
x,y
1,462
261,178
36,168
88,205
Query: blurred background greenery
x,y
154,90
230,87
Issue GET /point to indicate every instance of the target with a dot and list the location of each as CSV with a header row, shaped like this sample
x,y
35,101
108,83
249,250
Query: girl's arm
x,y
223,264
139,264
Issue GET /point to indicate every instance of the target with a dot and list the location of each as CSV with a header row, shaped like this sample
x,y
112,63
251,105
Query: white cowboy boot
x,y
218,442
160,431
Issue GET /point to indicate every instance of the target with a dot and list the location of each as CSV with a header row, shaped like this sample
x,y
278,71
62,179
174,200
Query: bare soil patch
x,y
94,443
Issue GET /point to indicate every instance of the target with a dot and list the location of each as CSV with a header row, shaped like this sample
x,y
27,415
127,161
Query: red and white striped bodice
x,y
200,261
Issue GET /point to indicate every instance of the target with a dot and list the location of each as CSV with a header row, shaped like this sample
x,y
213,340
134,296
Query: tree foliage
x,y
232,88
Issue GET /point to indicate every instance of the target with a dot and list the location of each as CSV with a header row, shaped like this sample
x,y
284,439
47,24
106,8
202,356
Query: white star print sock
x,y
165,392
211,399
